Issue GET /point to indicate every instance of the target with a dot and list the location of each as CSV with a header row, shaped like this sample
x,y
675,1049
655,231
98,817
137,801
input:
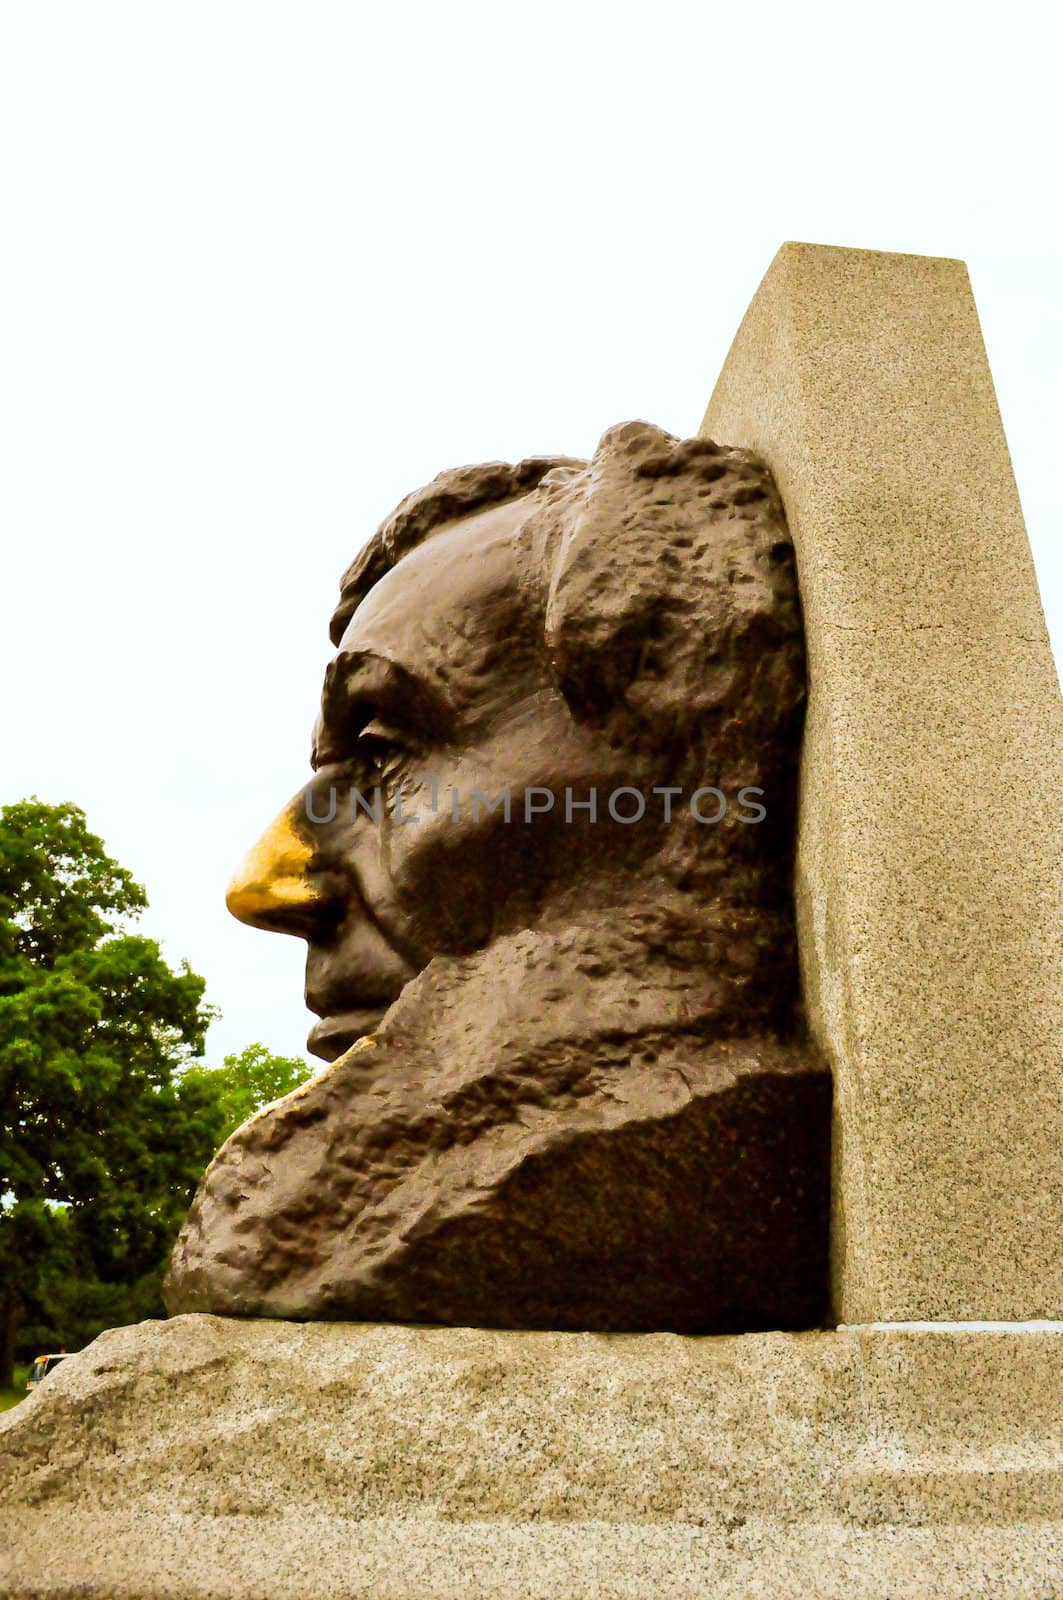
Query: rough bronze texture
x,y
569,1087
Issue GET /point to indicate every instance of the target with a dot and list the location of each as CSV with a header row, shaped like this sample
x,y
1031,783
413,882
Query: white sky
x,y
267,267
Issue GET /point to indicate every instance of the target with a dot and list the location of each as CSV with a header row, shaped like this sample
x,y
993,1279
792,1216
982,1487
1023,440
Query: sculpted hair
x,y
661,577
664,574
664,578
458,492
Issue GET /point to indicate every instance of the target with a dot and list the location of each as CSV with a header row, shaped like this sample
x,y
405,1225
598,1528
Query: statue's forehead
x,y
448,597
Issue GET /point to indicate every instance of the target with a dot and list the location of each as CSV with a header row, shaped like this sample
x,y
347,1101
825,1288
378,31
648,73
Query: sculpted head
x,y
567,1083
514,641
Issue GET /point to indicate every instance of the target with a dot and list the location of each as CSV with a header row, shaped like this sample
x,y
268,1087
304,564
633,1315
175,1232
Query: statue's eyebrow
x,y
360,685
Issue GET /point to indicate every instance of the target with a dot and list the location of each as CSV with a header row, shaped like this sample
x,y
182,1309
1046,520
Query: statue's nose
x,y
275,887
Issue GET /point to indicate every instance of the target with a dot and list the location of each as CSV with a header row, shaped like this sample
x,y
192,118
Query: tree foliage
x,y
102,1136
248,1081
108,1114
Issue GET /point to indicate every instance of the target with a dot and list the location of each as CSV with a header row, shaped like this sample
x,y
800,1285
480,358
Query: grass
x,y
11,1397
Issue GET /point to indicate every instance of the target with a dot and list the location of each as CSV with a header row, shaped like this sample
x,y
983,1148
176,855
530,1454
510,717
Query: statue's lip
x,y
334,1034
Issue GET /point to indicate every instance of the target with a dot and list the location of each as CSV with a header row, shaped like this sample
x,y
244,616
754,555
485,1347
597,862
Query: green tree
x,y
246,1082
103,1136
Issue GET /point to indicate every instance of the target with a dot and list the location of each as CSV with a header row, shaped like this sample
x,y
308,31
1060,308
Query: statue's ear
x,y
670,581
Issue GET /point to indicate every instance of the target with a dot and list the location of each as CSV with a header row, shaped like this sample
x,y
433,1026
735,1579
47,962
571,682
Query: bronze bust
x,y
543,869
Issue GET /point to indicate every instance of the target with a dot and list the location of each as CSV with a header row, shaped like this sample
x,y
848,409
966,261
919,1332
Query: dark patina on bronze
x,y
569,1085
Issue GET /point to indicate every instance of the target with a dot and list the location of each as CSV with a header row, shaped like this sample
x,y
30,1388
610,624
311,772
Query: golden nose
x,y
273,887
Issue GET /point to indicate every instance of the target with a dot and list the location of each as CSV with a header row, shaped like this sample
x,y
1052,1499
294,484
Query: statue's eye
x,y
381,744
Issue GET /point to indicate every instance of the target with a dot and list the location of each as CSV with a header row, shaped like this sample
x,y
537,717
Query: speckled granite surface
x,y
215,1457
930,849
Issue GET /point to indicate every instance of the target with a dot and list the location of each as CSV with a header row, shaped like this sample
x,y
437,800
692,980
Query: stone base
x,y
208,1457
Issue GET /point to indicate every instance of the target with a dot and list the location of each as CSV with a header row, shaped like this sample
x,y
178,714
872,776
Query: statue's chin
x,y
330,1037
